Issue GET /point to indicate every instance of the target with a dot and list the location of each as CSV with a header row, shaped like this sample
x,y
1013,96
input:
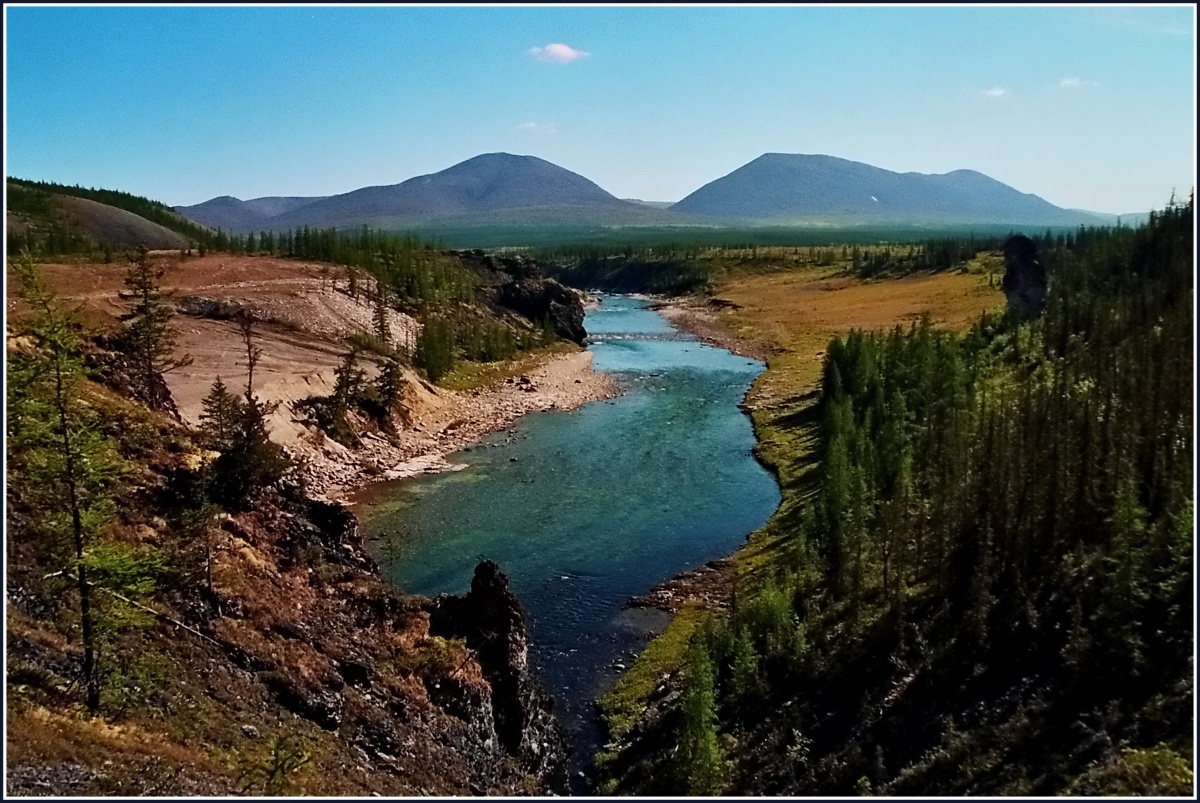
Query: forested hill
x,y
987,589
70,219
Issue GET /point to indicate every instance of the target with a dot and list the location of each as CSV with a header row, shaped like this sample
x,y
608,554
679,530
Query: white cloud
x,y
996,92
557,53
1075,83
538,128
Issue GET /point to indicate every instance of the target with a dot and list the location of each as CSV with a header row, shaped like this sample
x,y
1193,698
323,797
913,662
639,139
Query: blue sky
x,y
1087,107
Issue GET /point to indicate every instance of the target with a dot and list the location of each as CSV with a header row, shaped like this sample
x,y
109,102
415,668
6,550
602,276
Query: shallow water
x,y
585,509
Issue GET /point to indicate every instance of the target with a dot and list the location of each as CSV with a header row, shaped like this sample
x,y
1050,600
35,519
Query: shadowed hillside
x,y
235,215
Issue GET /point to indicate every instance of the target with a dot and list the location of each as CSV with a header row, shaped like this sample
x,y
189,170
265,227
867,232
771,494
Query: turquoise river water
x,y
587,508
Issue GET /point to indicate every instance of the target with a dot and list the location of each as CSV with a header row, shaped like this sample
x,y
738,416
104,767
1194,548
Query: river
x,y
587,508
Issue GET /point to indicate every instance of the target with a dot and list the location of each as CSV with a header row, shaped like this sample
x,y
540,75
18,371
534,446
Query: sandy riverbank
x,y
456,420
304,312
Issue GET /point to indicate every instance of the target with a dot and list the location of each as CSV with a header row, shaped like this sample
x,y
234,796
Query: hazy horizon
x,y
1088,108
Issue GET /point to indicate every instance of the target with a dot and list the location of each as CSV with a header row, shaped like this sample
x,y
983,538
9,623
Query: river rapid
x,y
584,509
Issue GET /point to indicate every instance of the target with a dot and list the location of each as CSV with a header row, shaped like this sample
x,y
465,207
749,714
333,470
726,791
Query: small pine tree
x,y
348,382
219,420
382,330
388,386
149,338
250,460
747,681
435,348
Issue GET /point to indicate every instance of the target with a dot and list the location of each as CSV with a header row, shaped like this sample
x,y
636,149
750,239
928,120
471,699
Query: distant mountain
x,y
278,205
1132,219
236,216
507,191
802,188
490,189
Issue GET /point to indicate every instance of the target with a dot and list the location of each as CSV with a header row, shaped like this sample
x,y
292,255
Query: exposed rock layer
x,y
519,284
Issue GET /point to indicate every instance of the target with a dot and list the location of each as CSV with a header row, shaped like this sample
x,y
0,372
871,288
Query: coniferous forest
x,y
990,588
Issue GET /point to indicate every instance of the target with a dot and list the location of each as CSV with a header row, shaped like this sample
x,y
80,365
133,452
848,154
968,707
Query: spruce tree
x,y
222,411
382,330
250,460
388,386
700,768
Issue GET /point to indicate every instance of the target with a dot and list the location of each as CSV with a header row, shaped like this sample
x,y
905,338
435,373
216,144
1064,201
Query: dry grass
x,y
49,736
468,375
797,312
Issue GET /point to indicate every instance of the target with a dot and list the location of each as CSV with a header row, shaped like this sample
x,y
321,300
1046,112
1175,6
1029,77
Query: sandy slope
x,y
305,313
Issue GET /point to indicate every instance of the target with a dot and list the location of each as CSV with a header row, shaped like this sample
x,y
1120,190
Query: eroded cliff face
x,y
519,284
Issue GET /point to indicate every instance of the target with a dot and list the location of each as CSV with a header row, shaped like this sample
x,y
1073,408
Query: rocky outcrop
x,y
116,369
328,654
547,300
1024,282
519,284
217,309
492,621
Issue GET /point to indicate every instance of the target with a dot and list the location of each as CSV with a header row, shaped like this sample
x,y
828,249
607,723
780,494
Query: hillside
x,y
783,187
974,585
490,189
61,219
248,645
77,224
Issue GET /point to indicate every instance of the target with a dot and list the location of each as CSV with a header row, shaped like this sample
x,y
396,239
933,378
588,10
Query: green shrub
x,y
1153,772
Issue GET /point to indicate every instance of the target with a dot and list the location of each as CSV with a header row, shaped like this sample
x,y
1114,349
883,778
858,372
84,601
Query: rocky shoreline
x,y
560,382
701,319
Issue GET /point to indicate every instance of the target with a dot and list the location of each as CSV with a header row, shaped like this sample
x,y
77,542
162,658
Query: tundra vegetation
x,y
980,578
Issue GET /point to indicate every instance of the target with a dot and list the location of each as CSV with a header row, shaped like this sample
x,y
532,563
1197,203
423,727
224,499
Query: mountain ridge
x,y
792,187
773,189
